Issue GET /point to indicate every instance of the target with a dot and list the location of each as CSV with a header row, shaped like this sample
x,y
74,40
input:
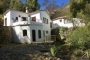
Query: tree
x,y
4,5
33,4
16,5
77,6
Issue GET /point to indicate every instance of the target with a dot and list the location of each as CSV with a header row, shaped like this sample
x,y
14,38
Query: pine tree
x,y
16,4
33,4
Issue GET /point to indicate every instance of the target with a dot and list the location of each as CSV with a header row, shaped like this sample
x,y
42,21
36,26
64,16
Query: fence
x,y
51,38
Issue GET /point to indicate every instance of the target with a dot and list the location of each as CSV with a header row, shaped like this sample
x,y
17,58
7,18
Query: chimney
x,y
27,10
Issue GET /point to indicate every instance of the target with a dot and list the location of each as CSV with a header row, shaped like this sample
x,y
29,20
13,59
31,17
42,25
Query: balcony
x,y
27,21
36,22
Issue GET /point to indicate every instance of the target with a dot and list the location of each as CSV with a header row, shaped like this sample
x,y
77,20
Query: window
x,y
24,32
43,33
39,33
46,32
33,18
60,20
16,18
19,16
47,21
43,20
23,18
50,24
5,21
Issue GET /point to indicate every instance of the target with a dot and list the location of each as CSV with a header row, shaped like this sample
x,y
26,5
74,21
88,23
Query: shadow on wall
x,y
15,37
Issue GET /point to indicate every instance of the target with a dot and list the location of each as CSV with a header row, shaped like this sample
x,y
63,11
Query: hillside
x,y
59,12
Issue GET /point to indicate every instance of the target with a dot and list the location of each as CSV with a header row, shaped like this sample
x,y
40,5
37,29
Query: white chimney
x,y
27,10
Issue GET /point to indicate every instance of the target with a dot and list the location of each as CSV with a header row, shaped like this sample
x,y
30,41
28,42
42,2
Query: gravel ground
x,y
22,52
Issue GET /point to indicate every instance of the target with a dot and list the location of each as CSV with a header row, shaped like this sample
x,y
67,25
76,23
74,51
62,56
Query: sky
x,y
58,2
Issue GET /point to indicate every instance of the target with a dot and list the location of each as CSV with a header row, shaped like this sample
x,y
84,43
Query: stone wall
x,y
5,34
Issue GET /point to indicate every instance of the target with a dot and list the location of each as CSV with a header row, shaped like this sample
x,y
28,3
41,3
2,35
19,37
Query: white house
x,y
63,22
28,27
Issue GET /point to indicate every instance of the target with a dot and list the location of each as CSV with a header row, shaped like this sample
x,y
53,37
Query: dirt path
x,y
22,52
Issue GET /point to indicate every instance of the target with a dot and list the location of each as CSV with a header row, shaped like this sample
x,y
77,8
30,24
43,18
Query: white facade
x,y
28,27
61,22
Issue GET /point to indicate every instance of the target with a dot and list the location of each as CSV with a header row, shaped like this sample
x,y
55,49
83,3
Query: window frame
x,y
39,34
5,21
46,32
25,32
24,18
34,18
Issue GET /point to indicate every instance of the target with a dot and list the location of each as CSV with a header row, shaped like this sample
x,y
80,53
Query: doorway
x,y
33,35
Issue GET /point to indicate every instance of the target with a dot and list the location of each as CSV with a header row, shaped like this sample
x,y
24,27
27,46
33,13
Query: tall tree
x,y
77,6
16,4
33,4
80,9
4,5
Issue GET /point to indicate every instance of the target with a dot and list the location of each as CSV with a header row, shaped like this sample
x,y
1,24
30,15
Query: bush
x,y
80,40
53,50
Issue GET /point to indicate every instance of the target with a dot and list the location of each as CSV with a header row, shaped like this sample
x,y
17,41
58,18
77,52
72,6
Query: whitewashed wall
x,y
15,14
18,34
64,23
36,28
46,27
8,16
18,29
37,15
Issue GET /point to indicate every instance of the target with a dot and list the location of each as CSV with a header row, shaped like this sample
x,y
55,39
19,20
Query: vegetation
x,y
33,4
78,39
17,5
80,9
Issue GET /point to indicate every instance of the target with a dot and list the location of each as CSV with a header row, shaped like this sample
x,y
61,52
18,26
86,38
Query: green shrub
x,y
80,40
53,50
79,37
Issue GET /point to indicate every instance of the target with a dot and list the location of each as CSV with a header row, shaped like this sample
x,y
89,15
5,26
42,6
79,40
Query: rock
x,y
58,58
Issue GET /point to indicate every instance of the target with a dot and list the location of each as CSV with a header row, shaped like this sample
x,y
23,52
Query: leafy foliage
x,y
4,5
33,4
18,5
79,41
77,6
53,50
15,4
